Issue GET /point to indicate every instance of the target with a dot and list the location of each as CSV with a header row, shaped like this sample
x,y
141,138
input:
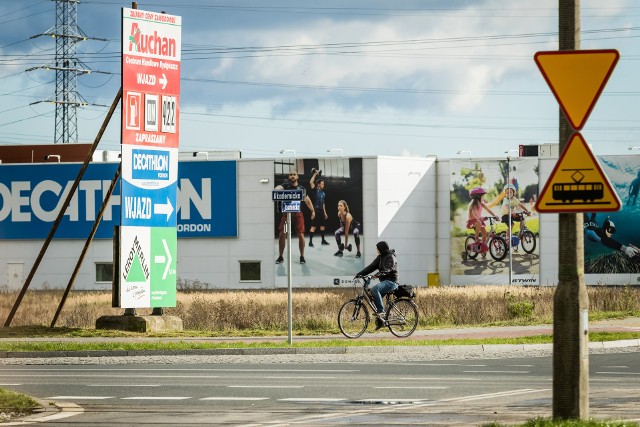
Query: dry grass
x,y
316,310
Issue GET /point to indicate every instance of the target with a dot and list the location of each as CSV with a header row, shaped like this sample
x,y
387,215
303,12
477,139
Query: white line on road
x,y
299,378
619,373
265,386
235,398
155,398
496,372
438,379
417,387
123,385
80,397
312,399
9,384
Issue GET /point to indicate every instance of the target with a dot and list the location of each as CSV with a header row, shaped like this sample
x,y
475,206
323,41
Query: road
x,y
327,390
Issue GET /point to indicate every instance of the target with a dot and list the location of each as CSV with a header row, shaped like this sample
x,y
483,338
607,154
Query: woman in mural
x,y
475,220
347,225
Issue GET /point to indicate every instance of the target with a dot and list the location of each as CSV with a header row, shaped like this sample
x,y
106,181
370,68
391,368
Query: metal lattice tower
x,y
67,67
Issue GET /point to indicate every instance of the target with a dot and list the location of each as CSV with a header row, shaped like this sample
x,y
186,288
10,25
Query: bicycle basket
x,y
404,291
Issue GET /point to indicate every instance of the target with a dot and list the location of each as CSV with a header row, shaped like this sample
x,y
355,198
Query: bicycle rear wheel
x,y
402,317
353,318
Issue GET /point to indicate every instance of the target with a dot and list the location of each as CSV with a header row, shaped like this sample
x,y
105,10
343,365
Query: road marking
x,y
438,379
496,372
123,385
417,387
110,376
265,386
155,398
312,399
235,398
300,378
619,373
185,369
492,395
9,384
81,397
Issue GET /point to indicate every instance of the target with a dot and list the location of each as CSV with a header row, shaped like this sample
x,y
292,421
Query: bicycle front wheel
x,y
402,317
353,319
498,248
528,240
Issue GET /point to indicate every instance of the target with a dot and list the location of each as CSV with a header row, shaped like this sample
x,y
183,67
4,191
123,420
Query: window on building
x,y
104,272
250,271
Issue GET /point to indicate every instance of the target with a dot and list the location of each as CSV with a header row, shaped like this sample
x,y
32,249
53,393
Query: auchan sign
x,y
151,34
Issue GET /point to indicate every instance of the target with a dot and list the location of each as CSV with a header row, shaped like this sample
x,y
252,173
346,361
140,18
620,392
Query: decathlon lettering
x,y
150,164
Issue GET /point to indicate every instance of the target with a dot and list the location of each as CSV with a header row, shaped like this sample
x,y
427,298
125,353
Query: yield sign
x,y
577,78
577,184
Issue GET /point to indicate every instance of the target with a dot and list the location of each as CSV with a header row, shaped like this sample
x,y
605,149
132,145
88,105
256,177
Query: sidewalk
x,y
611,325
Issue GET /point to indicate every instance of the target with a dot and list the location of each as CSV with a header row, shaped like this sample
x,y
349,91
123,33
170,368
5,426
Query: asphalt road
x,y
317,390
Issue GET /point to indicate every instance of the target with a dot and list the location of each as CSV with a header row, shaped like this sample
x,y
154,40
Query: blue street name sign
x,y
286,195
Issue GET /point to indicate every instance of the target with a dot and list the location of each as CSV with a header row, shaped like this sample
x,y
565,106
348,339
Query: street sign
x,y
577,183
286,195
290,206
577,78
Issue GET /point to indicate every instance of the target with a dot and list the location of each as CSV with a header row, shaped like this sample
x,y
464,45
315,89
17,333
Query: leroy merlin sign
x,y
150,252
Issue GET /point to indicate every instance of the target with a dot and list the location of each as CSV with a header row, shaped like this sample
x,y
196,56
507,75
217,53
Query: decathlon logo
x,y
150,164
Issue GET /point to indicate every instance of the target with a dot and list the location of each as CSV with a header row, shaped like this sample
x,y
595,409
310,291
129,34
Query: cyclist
x,y
511,203
387,266
475,221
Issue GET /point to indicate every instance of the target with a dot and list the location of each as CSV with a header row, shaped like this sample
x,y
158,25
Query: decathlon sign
x,y
31,197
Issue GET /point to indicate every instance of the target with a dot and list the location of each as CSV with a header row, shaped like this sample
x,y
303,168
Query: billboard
x,y
31,196
322,248
483,252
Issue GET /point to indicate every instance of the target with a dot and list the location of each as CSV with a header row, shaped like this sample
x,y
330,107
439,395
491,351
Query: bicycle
x,y
525,237
497,245
401,314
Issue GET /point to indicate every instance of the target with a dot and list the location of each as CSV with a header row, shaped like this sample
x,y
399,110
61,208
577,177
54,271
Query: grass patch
x,y
14,404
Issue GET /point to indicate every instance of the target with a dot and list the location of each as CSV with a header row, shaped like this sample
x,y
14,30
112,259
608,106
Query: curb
x,y
494,348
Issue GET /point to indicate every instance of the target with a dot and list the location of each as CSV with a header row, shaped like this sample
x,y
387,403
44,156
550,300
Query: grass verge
x,y
14,405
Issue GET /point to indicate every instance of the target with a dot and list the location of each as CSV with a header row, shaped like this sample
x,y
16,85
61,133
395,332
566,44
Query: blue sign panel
x,y
148,208
151,164
31,196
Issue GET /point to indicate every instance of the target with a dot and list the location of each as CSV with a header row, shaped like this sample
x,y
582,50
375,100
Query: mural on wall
x,y
327,242
485,197
612,239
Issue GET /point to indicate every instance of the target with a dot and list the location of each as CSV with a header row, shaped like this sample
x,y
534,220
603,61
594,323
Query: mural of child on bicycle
x,y
484,244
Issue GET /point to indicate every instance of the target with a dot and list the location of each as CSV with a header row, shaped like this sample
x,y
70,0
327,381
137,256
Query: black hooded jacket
x,y
386,263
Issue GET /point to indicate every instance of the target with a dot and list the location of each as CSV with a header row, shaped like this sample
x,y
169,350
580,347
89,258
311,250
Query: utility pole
x,y
571,302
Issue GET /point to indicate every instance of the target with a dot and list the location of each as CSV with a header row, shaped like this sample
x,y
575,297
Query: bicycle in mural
x,y
524,237
496,244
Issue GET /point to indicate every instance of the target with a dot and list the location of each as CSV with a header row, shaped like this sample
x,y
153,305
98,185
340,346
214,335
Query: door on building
x,y
15,275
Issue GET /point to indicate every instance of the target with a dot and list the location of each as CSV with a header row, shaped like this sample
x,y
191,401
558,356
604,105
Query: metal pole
x,y
510,225
290,281
96,223
63,208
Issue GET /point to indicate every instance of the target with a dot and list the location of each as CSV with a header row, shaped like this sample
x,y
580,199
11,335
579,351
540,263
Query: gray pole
x,y
289,280
510,225
571,302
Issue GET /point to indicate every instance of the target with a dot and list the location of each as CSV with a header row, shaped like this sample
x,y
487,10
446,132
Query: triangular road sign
x,y
577,78
577,183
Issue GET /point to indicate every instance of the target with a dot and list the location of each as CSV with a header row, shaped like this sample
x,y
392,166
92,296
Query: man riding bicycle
x,y
387,266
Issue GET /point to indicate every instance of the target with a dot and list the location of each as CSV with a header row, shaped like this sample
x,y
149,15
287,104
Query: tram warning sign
x,y
577,183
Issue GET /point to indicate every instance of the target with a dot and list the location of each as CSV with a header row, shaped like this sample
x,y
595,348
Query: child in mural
x,y
347,225
604,235
475,221
511,206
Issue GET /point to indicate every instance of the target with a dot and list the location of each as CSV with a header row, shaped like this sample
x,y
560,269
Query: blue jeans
x,y
382,288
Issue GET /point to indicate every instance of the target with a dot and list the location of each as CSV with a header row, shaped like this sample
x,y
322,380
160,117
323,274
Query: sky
x,y
274,78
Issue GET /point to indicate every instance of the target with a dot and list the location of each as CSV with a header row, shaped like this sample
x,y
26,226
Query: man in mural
x,y
595,233
297,220
317,187
633,190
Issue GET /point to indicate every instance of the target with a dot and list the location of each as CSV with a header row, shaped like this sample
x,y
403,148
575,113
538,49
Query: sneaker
x,y
280,260
324,242
310,244
302,261
339,253
379,323
358,255
349,247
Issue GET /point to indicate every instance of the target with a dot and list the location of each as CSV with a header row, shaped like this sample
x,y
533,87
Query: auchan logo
x,y
151,43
